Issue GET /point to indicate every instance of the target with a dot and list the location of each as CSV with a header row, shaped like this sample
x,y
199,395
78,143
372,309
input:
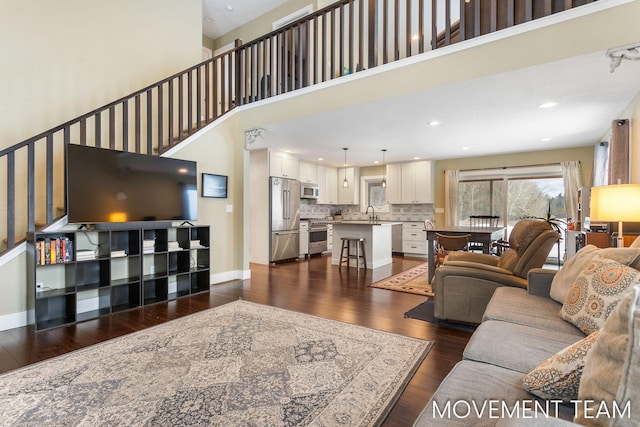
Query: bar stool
x,y
346,244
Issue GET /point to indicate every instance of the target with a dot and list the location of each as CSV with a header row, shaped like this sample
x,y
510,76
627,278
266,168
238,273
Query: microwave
x,y
308,191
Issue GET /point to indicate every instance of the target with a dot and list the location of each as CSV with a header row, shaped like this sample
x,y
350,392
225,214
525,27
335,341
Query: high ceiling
x,y
495,114
221,16
491,115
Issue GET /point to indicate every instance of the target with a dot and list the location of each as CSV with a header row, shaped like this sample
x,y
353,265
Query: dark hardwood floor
x,y
311,286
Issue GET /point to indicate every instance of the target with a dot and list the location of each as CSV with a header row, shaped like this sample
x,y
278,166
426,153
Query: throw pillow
x,y
567,275
596,291
612,372
558,377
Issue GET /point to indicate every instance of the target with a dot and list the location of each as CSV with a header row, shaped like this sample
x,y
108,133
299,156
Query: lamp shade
x,y
619,202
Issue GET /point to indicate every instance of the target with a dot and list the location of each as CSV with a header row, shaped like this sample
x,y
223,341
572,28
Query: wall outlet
x,y
39,286
229,208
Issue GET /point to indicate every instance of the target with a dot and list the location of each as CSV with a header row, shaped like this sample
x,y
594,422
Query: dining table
x,y
483,235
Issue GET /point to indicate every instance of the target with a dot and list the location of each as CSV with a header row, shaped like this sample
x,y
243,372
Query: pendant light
x,y
384,177
345,183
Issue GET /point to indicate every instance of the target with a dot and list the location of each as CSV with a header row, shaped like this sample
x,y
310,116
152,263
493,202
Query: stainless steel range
x,y
318,236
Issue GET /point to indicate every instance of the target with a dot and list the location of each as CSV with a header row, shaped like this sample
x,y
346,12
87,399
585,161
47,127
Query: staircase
x,y
346,37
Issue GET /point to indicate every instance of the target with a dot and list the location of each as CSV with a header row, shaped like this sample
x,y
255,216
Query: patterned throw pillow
x,y
596,292
558,377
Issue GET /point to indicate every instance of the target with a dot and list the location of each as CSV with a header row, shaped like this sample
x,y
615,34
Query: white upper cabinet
x,y
350,195
417,182
410,182
283,165
327,185
308,173
394,183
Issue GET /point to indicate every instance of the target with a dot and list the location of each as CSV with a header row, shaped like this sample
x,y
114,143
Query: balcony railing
x,y
346,37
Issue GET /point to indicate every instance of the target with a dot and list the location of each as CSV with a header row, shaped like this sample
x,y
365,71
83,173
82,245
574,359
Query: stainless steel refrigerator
x,y
285,218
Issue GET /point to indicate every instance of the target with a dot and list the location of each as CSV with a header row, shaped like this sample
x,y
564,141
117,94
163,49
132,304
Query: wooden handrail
x,y
340,39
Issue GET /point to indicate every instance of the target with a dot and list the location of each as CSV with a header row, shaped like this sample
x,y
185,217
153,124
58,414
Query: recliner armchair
x,y
464,284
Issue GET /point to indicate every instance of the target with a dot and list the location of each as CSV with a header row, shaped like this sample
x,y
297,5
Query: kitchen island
x,y
377,240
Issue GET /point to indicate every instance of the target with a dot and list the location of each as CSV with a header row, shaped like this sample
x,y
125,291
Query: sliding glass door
x,y
530,192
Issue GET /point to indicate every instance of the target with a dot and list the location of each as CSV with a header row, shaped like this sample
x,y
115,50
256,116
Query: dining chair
x,y
482,221
446,244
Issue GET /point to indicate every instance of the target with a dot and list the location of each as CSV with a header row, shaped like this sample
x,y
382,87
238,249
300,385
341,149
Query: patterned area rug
x,y
413,281
238,364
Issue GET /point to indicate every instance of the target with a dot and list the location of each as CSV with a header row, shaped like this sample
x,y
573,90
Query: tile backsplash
x,y
310,209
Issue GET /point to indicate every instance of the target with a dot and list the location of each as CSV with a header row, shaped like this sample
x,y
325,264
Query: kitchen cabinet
x,y
327,185
396,238
414,238
417,182
394,183
283,165
308,172
350,195
304,239
410,182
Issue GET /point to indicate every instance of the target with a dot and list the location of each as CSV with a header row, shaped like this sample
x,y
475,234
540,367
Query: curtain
x,y
571,178
451,197
601,164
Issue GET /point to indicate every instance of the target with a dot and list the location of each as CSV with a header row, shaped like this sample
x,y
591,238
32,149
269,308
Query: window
x,y
374,194
530,192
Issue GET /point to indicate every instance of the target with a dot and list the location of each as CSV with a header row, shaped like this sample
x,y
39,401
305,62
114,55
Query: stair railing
x,y
343,38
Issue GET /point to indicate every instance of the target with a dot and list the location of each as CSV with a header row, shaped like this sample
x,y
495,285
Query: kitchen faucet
x,y
372,217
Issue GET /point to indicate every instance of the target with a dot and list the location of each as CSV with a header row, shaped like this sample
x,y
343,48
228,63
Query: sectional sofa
x,y
551,354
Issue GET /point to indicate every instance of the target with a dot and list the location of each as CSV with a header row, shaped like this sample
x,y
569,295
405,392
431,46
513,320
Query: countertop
x,y
366,222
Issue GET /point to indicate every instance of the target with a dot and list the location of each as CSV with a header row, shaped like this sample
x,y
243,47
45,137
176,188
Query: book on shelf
x,y
148,246
118,253
174,246
85,254
194,244
53,250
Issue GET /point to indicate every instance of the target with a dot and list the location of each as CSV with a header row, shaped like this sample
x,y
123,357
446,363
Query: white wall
x,y
63,58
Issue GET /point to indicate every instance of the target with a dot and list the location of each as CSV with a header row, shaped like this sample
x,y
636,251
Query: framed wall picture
x,y
214,186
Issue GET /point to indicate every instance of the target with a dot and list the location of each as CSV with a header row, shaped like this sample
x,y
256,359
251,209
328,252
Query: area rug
x,y
413,281
237,364
424,312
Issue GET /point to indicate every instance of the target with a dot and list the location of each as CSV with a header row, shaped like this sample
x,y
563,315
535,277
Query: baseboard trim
x,y
230,275
13,320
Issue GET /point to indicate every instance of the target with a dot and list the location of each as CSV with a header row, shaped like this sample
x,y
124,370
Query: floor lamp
x,y
611,203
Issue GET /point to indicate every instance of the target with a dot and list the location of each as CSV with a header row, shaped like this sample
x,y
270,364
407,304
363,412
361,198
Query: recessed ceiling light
x,y
320,159
208,19
229,8
375,162
287,151
464,148
416,158
434,123
548,105
415,37
545,139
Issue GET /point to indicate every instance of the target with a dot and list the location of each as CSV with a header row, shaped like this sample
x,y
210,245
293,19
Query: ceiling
x,y
497,114
491,115
218,20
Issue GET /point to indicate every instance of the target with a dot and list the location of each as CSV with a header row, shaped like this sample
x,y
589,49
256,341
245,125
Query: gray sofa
x,y
520,329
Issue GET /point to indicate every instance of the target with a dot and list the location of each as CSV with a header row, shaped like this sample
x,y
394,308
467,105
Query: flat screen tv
x,y
116,186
